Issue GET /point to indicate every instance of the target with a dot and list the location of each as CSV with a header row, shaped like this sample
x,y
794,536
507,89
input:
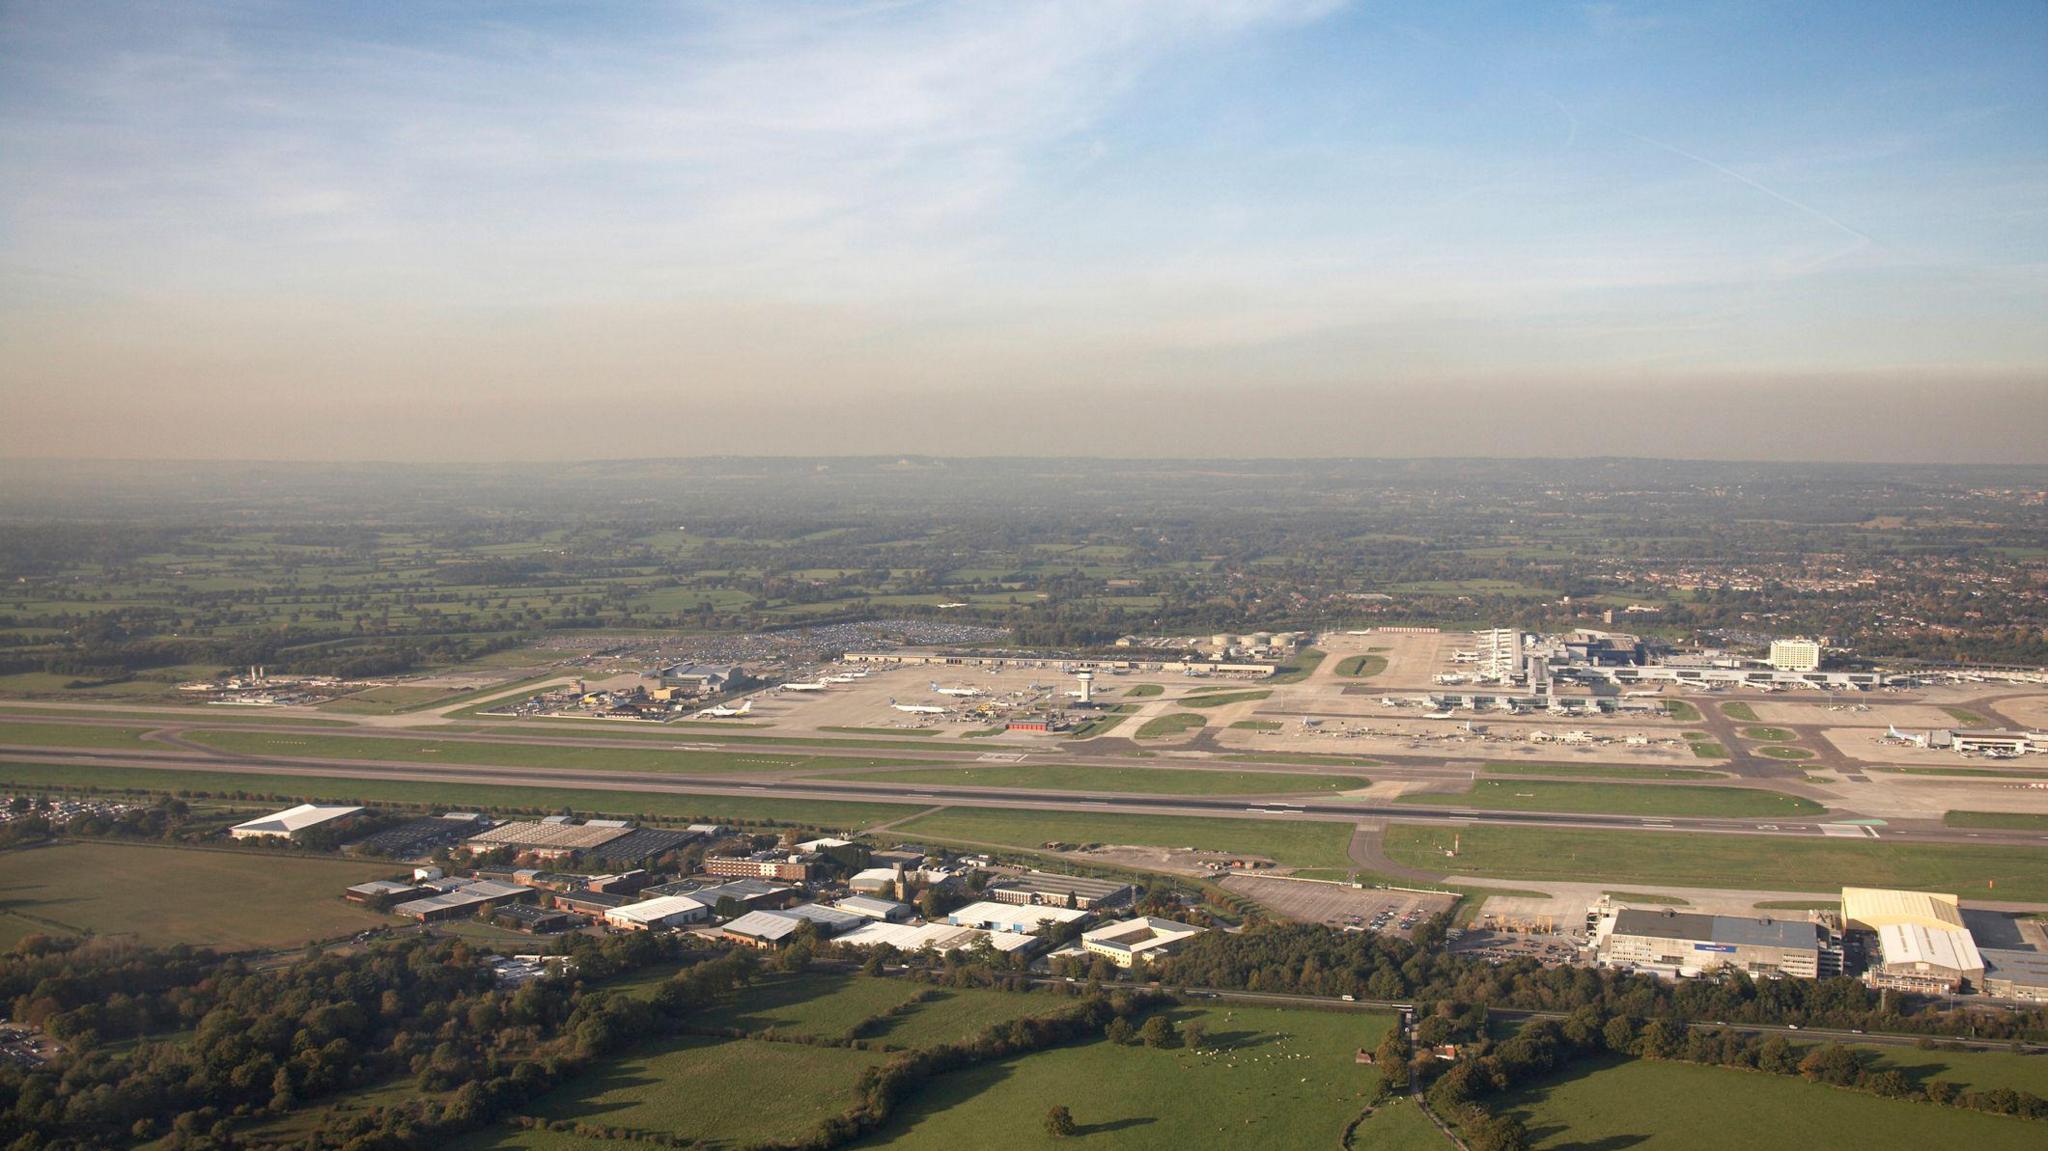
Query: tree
x,y
1059,1122
1157,1032
1119,1030
1192,1033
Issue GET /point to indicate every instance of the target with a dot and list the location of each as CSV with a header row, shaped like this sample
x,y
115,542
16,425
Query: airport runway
x,y
1232,807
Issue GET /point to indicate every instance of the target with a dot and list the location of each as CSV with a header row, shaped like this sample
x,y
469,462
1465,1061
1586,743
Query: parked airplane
x,y
917,708
724,712
963,692
1893,733
1436,715
820,685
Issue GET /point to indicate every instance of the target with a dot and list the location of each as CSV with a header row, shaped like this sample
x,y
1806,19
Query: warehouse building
x,y
1020,918
873,907
2021,975
1681,943
1126,941
772,929
1921,941
939,937
461,900
660,913
1050,890
291,821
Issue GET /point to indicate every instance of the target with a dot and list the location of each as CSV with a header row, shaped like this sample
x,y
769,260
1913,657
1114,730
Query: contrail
x,y
1766,189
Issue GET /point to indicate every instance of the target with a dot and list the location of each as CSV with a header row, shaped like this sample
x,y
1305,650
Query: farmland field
x,y
163,895
816,1004
1603,1105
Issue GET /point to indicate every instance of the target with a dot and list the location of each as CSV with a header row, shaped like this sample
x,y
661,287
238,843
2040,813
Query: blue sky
x,y
253,229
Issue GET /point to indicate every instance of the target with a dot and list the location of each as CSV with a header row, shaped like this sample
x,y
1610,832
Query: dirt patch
x,y
1341,905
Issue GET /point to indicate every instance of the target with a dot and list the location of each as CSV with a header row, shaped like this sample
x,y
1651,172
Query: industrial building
x,y
1126,941
872,907
1922,943
772,929
663,911
1058,890
939,937
2021,975
761,865
1021,918
1682,943
753,894
460,899
290,822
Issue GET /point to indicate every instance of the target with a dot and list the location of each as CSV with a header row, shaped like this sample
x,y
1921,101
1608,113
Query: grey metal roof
x,y
1725,929
2026,967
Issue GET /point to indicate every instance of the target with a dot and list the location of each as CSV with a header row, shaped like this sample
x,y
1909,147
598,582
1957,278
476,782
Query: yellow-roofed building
x,y
1877,908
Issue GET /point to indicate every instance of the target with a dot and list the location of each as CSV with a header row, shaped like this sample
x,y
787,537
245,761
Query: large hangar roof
x,y
1878,908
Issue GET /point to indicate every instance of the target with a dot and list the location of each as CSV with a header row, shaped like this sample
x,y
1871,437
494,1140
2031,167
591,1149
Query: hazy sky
x,y
532,230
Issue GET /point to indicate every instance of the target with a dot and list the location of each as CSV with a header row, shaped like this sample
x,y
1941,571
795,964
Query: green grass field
x,y
1997,820
1769,734
1257,725
1399,1125
1265,1078
1718,1109
953,1015
1740,712
1681,711
1782,751
1134,780
816,1004
1707,749
1362,666
1300,758
1682,860
1602,771
427,750
1141,690
1619,799
389,700
163,895
167,714
1300,667
1221,698
673,806
1297,843
725,1093
70,735
1173,723
1970,1070
1968,718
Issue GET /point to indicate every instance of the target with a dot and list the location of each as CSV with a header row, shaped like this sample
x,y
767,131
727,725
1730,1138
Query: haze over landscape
x,y
379,231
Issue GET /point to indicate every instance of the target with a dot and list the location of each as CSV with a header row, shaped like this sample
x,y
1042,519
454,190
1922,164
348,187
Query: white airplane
x,y
819,685
1436,715
963,692
838,679
917,708
1389,701
724,712
1893,733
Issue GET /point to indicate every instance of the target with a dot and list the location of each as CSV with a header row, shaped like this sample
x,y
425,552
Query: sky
x,y
475,231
